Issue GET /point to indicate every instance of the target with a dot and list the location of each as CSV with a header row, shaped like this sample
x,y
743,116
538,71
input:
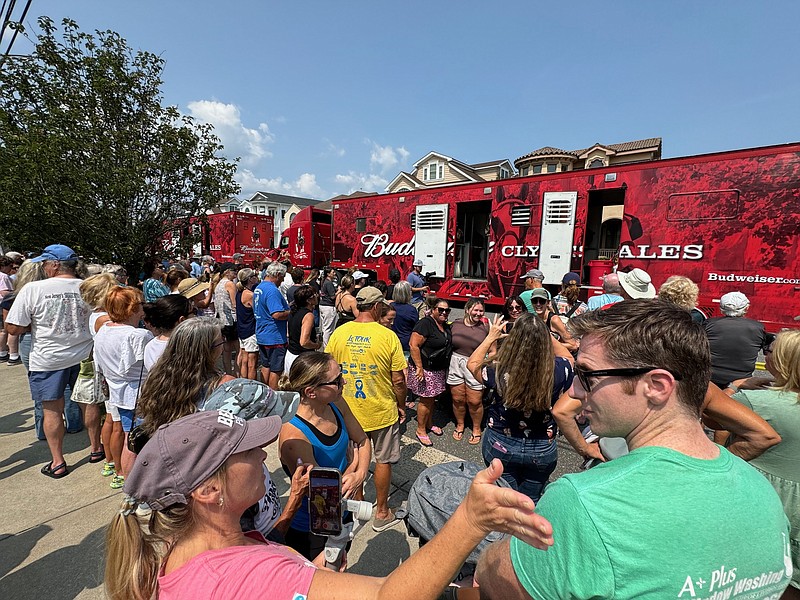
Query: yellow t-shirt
x,y
368,353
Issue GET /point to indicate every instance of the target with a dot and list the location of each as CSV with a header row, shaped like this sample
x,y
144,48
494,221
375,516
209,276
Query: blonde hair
x,y
785,361
28,271
679,290
308,369
138,541
94,289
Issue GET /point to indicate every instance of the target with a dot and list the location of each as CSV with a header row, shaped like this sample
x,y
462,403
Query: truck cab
x,y
308,238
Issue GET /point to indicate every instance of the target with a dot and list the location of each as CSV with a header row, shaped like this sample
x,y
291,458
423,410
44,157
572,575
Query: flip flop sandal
x,y
458,435
96,457
411,405
436,430
474,439
52,471
424,440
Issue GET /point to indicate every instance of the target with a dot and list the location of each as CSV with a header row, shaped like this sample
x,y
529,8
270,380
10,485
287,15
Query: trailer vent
x,y
430,219
558,210
414,221
520,216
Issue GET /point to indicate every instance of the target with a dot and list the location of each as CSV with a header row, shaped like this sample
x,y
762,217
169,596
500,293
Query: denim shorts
x,y
527,463
272,357
48,386
129,419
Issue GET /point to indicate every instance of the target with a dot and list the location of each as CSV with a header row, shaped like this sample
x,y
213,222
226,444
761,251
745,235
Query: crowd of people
x,y
330,365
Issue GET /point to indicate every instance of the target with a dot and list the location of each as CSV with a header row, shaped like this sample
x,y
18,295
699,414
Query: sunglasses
x,y
538,301
338,382
443,311
515,308
583,376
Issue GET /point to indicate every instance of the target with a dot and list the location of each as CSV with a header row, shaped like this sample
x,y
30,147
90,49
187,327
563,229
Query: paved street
x,y
52,531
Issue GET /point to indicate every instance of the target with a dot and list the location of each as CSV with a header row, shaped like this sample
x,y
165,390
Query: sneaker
x,y
117,482
109,469
4,358
14,361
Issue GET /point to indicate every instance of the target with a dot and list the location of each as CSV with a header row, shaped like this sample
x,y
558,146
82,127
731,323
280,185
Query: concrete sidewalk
x,y
52,531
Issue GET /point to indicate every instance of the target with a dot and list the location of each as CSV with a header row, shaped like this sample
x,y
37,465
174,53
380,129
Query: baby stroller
x,y
433,499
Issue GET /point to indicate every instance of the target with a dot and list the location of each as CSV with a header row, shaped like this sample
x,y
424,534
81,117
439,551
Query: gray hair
x,y
276,270
402,292
94,269
611,284
734,312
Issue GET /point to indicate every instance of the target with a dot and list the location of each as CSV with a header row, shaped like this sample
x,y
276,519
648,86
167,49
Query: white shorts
x,y
249,344
458,373
113,411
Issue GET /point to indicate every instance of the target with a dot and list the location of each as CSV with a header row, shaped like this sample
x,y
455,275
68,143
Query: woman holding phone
x,y
323,433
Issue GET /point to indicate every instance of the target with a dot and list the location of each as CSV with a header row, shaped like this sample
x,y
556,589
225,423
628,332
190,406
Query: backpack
x,y
434,497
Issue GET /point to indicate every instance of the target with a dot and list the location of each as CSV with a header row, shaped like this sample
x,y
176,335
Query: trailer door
x,y
430,244
556,241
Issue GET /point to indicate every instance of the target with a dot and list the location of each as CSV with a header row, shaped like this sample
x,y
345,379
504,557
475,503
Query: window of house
x,y
434,171
537,169
595,163
524,171
283,214
261,210
551,167
503,173
231,207
361,225
564,167
271,212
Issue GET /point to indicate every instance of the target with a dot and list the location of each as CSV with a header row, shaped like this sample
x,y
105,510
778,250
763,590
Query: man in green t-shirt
x,y
372,364
678,517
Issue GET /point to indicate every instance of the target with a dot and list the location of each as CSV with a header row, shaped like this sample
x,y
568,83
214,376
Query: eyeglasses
x,y
443,311
768,350
338,382
538,301
515,308
583,376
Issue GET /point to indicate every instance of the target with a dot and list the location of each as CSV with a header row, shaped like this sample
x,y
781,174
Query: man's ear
x,y
659,386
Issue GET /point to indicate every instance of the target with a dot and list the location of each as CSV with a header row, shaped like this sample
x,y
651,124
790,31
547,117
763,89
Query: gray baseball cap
x,y
534,274
185,453
251,399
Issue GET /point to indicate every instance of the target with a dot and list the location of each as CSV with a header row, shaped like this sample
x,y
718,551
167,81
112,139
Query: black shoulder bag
x,y
137,436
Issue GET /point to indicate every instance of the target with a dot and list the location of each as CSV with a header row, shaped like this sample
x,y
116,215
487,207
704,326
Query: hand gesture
x,y
492,508
497,328
351,482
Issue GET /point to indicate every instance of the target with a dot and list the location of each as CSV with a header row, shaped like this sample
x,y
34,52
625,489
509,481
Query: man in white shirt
x,y
58,319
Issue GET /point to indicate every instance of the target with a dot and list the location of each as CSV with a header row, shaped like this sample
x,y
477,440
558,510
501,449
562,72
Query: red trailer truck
x,y
224,234
308,238
728,220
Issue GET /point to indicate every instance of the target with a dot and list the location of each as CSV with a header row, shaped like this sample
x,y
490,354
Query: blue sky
x,y
320,98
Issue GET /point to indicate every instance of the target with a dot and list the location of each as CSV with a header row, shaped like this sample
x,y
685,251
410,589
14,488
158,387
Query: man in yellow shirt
x,y
372,363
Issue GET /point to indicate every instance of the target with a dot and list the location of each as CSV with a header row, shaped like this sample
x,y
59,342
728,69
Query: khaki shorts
x,y
458,373
249,344
386,443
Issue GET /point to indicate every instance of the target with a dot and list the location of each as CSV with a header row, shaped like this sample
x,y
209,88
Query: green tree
x,y
89,157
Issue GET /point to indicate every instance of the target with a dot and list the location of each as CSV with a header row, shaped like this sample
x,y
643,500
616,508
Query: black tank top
x,y
295,328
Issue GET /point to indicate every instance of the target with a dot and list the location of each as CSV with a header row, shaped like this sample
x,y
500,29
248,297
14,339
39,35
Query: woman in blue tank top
x,y
323,433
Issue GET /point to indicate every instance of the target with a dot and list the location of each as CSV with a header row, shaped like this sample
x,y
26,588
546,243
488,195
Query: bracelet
x,y
735,388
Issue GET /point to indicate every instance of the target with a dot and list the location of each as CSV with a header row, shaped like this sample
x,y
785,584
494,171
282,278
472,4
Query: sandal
x,y
436,430
96,457
458,435
424,440
474,439
411,405
52,471
117,482
109,469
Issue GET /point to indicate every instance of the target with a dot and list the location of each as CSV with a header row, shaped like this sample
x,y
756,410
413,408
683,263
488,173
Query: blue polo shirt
x,y
267,299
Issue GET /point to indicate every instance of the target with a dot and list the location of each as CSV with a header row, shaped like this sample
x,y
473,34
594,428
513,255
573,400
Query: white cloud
x,y
305,185
386,157
251,144
353,182
332,149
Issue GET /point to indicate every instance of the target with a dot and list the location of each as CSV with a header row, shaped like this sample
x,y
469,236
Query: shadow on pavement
x,y
64,573
16,548
38,453
17,422
375,560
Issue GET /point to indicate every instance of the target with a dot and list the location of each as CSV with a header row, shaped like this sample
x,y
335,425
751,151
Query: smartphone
x,y
325,501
